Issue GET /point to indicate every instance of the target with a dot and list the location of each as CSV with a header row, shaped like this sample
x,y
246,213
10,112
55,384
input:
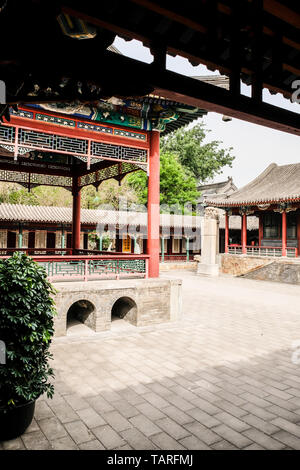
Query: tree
x,y
177,185
204,160
109,194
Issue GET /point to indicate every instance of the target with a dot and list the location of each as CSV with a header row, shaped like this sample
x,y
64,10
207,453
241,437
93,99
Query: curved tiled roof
x,y
275,184
63,215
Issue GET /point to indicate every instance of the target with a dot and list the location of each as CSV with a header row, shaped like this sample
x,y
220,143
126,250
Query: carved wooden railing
x,y
92,267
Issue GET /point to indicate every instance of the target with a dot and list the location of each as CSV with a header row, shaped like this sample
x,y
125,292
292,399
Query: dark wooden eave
x,y
256,41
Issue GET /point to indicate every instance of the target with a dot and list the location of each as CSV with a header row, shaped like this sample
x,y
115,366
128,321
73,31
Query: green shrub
x,y
26,326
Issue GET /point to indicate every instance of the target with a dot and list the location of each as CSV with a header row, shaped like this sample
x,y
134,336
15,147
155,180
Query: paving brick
x,y
237,439
42,410
293,417
91,418
249,397
179,402
126,409
172,428
230,408
263,440
262,413
261,424
36,441
63,443
108,437
193,443
99,404
288,439
155,400
205,406
79,432
117,421
138,440
231,421
145,425
204,434
203,418
52,428
223,445
150,411
289,405
287,426
65,412
254,447
76,402
165,442
177,415
91,445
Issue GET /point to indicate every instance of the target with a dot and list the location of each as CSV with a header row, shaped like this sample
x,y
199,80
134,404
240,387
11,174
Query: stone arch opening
x,y
81,311
124,308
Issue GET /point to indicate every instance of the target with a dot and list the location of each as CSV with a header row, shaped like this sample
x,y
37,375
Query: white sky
x,y
254,146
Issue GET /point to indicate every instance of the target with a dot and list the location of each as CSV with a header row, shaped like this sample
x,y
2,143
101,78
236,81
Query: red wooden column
x,y
260,230
153,206
283,233
244,234
76,215
226,232
298,234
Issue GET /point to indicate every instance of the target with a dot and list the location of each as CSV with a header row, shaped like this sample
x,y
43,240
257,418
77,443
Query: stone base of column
x,y
208,269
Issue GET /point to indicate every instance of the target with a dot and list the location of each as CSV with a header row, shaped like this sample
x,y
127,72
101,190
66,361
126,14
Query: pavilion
x,y
52,138
75,145
273,197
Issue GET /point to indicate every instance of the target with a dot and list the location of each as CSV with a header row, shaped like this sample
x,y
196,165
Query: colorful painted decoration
x,y
147,114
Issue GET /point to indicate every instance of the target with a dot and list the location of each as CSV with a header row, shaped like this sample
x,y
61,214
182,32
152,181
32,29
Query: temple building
x,y
222,188
274,199
48,230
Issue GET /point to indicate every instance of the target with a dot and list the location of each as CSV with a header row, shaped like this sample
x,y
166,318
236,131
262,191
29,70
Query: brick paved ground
x,y
221,379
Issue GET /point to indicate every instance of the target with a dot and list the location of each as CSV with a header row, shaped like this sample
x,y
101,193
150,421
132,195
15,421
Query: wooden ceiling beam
x,y
282,12
211,63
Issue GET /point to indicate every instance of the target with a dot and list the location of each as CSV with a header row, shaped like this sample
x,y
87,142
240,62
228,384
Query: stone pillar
x,y
162,249
100,241
209,263
20,243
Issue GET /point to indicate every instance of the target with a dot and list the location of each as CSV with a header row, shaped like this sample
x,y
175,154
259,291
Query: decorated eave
x,y
275,185
50,143
256,42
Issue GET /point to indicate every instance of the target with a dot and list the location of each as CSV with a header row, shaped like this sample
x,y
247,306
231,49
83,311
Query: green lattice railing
x,y
74,268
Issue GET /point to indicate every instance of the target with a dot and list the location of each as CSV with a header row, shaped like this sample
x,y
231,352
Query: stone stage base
x,y
141,302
